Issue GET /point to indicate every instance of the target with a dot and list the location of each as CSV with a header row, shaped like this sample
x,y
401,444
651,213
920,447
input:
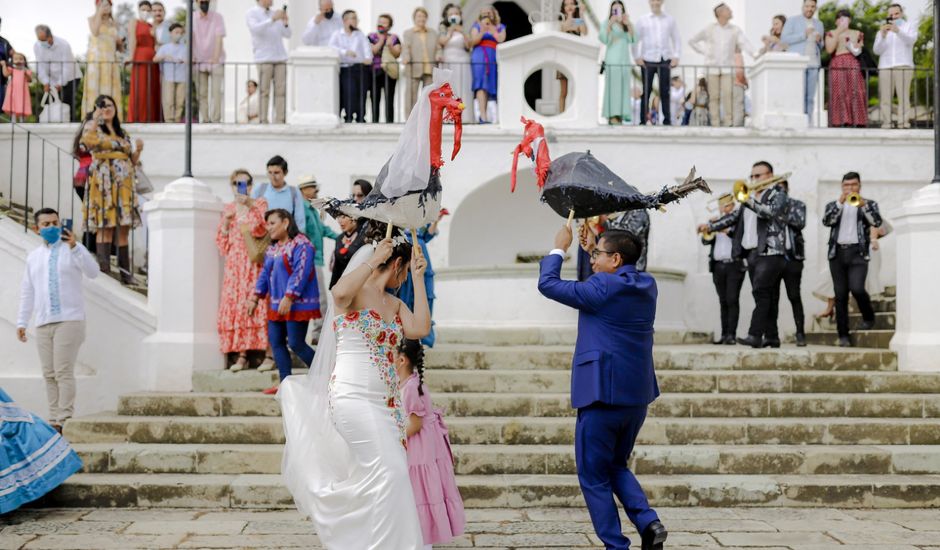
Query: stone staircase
x,y
816,426
879,337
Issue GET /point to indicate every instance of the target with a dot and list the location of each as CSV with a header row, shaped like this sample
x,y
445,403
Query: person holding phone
x,y
848,92
894,45
657,50
485,35
52,292
571,23
241,243
618,35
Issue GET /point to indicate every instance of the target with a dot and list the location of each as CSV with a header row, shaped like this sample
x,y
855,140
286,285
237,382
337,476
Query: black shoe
x,y
719,341
845,342
729,340
752,341
866,325
771,343
800,340
654,536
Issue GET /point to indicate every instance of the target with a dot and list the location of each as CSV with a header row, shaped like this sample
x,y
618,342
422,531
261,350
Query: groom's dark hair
x,y
624,243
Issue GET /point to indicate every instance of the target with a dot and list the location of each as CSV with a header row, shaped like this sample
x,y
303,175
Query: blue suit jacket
x,y
613,357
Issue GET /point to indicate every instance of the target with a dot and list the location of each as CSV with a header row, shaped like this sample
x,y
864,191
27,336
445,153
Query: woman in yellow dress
x,y
110,199
103,73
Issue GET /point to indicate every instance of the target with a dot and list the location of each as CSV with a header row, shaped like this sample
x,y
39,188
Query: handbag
x,y
80,179
53,110
256,247
142,183
389,63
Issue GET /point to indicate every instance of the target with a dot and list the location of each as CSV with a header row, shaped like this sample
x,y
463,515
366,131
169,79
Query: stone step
x,y
528,431
512,491
883,321
556,403
879,339
509,335
797,382
135,458
881,304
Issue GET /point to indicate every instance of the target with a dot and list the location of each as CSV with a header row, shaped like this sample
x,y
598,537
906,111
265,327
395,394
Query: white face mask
x,y
146,16
176,38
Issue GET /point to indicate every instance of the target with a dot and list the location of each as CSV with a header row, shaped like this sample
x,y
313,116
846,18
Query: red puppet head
x,y
533,146
445,107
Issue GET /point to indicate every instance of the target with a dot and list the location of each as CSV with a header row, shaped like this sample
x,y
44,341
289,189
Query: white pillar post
x,y
774,78
184,285
315,87
917,231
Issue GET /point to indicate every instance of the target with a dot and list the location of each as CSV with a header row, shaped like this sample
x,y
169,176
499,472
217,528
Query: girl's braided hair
x,y
414,351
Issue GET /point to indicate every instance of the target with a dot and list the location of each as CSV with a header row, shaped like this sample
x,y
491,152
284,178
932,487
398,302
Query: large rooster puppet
x,y
578,185
407,191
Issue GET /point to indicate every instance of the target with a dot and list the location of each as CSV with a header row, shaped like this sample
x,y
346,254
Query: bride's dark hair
x,y
402,248
414,351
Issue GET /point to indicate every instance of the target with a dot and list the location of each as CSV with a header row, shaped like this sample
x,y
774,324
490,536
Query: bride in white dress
x,y
344,459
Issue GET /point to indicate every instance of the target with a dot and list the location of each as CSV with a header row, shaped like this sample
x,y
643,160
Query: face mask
x,y
146,16
51,234
454,19
175,38
204,7
328,14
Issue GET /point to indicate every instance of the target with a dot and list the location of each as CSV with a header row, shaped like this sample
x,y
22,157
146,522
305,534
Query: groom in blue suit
x,y
612,378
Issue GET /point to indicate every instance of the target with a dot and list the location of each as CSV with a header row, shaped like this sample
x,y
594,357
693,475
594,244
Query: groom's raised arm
x,y
586,296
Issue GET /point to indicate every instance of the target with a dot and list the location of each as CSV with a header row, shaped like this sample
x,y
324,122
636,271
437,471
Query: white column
x,y
917,232
777,82
185,279
314,87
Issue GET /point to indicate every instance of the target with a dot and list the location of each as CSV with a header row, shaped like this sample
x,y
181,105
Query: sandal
x,y
241,363
266,365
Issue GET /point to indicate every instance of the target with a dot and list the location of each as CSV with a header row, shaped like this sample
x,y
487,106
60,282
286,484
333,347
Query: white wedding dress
x,y
344,458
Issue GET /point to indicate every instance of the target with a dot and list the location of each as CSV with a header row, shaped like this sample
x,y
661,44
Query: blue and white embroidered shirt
x,y
52,284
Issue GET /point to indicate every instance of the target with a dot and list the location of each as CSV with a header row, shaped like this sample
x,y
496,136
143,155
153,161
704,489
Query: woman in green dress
x,y
617,34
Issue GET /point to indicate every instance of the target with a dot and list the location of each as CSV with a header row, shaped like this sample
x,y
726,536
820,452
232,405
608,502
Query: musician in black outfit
x,y
849,241
760,240
795,217
727,275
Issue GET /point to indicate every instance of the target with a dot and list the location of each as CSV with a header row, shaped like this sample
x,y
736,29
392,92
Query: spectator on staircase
x,y
316,231
242,241
52,291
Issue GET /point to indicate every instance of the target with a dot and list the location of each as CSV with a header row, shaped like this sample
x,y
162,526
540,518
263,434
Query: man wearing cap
x,y
316,230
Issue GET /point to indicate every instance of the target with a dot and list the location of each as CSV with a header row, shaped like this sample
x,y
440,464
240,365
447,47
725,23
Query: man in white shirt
x,y
354,53
268,31
52,290
727,275
322,26
718,42
56,66
656,51
894,43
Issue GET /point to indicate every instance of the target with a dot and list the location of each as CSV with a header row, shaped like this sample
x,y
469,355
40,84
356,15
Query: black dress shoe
x,y
771,343
654,536
719,341
730,340
866,325
752,341
845,342
800,340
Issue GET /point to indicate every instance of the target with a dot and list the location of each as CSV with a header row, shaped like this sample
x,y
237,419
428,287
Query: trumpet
x,y
708,236
742,191
853,199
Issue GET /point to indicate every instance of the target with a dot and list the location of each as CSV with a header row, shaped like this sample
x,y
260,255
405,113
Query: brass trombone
x,y
719,202
742,190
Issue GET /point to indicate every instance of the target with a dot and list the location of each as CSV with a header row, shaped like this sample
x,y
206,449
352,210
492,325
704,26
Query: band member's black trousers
x,y
849,270
728,278
766,272
792,276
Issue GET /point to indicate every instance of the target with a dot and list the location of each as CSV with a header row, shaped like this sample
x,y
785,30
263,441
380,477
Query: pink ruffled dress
x,y
431,467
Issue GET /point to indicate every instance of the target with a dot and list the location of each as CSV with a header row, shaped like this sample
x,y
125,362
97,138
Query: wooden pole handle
x,y
388,230
570,217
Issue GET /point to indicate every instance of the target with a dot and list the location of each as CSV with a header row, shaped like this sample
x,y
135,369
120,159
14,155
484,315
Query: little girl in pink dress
x,y
430,461
18,102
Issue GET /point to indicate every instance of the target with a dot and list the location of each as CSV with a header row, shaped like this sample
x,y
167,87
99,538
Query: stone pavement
x,y
691,528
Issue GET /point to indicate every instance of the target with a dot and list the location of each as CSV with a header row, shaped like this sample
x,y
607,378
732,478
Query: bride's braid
x,y
414,351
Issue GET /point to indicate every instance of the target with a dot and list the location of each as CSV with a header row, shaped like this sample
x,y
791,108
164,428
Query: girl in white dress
x,y
455,48
344,458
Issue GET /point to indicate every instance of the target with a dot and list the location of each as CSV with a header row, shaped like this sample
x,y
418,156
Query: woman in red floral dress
x,y
239,332
848,97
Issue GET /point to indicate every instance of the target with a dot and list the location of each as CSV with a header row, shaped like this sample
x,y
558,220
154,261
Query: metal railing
x,y
38,174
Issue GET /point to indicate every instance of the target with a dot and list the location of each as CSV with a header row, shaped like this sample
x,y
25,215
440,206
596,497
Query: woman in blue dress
x,y
34,457
485,35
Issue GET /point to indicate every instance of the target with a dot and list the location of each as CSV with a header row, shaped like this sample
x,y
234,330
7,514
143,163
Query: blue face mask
x,y
51,234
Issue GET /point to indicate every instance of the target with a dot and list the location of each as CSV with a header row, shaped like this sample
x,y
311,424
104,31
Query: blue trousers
x,y
603,440
289,333
809,91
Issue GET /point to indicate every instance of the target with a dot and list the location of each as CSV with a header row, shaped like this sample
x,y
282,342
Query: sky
x,y
66,18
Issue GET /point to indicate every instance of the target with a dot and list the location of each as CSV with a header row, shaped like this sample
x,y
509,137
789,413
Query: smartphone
x,y
241,187
67,224
284,7
578,21
617,11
